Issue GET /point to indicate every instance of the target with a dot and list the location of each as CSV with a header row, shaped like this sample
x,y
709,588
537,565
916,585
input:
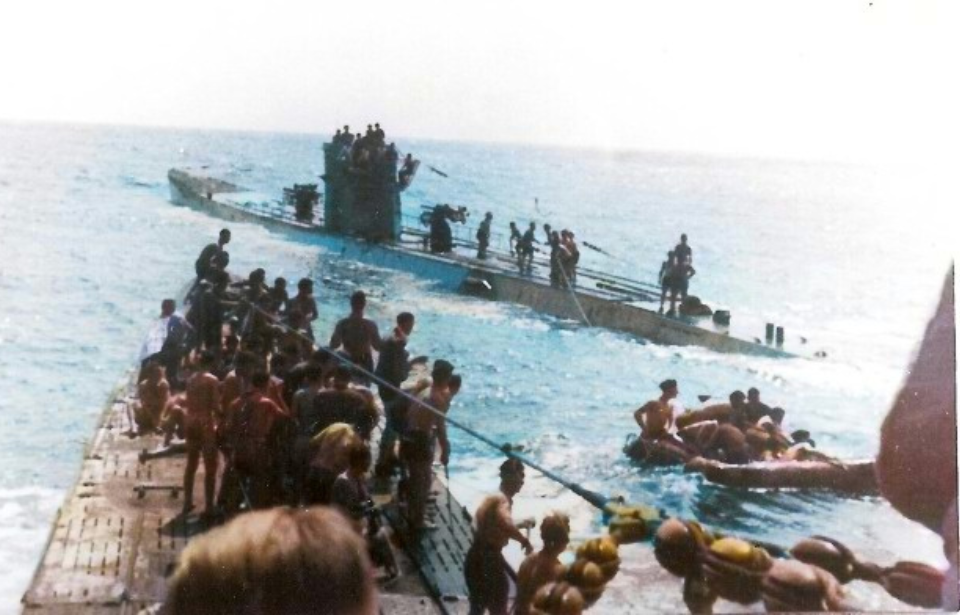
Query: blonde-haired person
x,y
544,566
283,560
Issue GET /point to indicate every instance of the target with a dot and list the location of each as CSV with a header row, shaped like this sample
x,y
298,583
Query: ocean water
x,y
849,256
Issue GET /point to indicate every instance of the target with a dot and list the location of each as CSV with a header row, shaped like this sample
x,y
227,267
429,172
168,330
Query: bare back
x,y
203,398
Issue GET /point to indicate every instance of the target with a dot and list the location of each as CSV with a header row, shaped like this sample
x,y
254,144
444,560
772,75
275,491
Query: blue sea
x,y
849,256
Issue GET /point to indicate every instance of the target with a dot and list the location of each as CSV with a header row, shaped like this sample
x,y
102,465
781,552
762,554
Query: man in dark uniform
x,y
213,256
483,236
525,248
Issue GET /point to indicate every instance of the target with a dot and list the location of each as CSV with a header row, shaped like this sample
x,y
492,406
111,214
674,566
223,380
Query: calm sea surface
x,y
850,257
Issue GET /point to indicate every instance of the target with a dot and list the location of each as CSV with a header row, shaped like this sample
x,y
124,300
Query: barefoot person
x,y
154,393
544,567
358,336
203,406
484,568
423,424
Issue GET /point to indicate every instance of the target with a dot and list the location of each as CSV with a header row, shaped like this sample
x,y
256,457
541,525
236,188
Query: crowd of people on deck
x,y
365,151
241,382
741,431
238,383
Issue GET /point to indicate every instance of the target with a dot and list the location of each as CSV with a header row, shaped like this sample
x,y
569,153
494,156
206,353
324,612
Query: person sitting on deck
x,y
525,249
154,393
252,424
484,569
166,342
359,336
483,236
283,561
305,305
213,257
200,424
543,567
424,422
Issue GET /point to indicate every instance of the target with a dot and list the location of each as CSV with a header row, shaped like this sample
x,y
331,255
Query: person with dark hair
x,y
423,426
525,249
167,342
665,277
484,568
212,307
277,296
683,252
283,561
213,257
250,431
515,238
358,336
304,304
483,236
153,393
544,567
200,423
393,367
341,404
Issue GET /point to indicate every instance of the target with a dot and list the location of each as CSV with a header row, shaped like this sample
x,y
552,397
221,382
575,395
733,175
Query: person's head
x,y
456,382
360,459
405,322
737,399
231,343
683,238
669,388
167,307
245,364
224,237
511,477
442,371
207,361
533,226
341,377
305,286
338,132
489,216
565,233
282,560
555,532
346,129
547,227
313,373
358,301
257,276
513,224
670,255
153,371
753,395
260,381
555,236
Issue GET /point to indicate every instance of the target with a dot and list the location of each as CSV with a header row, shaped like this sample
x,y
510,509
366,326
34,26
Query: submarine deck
x,y
117,537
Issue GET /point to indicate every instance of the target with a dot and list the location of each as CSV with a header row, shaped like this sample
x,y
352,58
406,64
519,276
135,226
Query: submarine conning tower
x,y
361,192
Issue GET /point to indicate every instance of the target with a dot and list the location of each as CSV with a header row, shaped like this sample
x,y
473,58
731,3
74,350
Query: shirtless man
x,y
416,449
484,568
656,421
544,567
203,407
305,306
154,392
359,336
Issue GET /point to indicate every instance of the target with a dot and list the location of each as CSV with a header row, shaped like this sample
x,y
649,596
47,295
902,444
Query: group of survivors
x,y
240,381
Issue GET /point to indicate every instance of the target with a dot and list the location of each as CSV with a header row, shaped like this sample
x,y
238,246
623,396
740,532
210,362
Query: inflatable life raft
x,y
851,476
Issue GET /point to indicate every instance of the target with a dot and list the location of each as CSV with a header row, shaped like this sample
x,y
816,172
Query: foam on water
x,y
91,245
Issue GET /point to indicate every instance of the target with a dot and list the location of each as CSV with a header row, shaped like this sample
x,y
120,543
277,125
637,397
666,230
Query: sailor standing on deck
x,y
485,569
525,249
213,256
683,251
359,336
483,236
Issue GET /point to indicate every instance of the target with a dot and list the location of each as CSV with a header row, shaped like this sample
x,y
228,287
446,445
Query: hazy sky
x,y
837,78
